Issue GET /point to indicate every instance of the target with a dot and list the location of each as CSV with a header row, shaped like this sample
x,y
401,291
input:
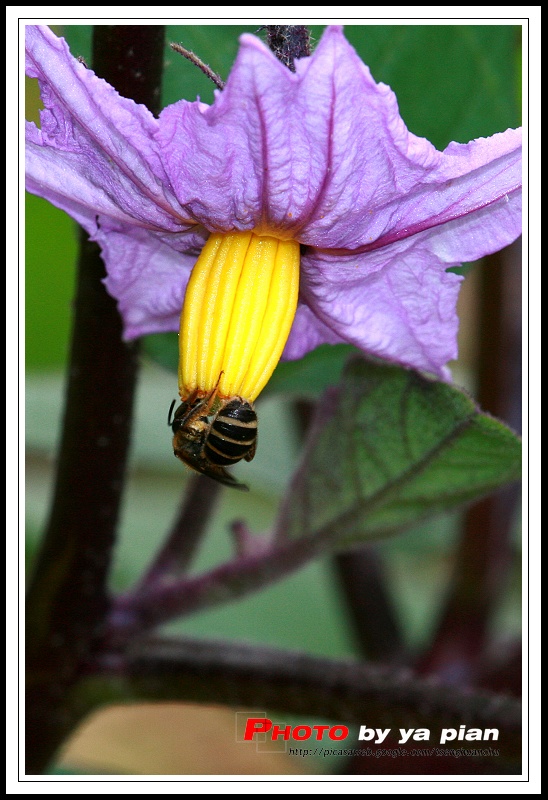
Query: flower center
x,y
238,310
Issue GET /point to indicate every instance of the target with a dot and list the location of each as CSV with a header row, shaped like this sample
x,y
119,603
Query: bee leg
x,y
209,400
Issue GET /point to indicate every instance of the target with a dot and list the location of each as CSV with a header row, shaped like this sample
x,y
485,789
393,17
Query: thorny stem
x,y
67,598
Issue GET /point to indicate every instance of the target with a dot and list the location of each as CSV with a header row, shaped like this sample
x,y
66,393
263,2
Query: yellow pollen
x,y
238,310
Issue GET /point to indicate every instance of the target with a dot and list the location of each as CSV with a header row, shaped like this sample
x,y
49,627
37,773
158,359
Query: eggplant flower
x,y
295,210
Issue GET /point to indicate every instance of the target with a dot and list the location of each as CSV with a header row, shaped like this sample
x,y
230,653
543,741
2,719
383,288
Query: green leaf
x,y
163,348
311,375
390,447
79,38
453,82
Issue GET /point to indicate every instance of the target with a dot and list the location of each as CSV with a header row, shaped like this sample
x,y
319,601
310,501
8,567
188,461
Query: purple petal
x,y
324,156
397,301
483,175
95,151
382,183
264,144
147,277
321,155
398,304
309,332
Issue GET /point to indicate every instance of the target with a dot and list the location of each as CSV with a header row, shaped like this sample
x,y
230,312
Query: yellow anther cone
x,y
239,307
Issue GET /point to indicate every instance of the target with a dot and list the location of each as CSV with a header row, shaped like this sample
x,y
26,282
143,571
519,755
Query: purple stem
x,y
151,605
67,599
258,677
485,553
376,625
176,554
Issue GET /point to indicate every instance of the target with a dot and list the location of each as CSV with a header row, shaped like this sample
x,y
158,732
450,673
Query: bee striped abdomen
x,y
233,434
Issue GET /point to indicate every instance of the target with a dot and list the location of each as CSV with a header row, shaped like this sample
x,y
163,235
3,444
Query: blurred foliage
x,y
453,82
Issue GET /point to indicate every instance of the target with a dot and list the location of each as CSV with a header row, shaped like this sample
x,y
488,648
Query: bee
x,y
211,433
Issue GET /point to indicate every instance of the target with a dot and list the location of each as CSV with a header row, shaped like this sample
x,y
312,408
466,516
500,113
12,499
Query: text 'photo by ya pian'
x,y
310,237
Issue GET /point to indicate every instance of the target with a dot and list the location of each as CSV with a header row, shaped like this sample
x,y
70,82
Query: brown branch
x,y
376,624
263,678
193,58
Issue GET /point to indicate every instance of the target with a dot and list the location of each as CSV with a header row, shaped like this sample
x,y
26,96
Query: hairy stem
x,y
194,59
376,625
261,678
67,599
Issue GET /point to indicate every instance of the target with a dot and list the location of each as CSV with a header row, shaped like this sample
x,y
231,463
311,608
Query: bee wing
x,y
228,480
